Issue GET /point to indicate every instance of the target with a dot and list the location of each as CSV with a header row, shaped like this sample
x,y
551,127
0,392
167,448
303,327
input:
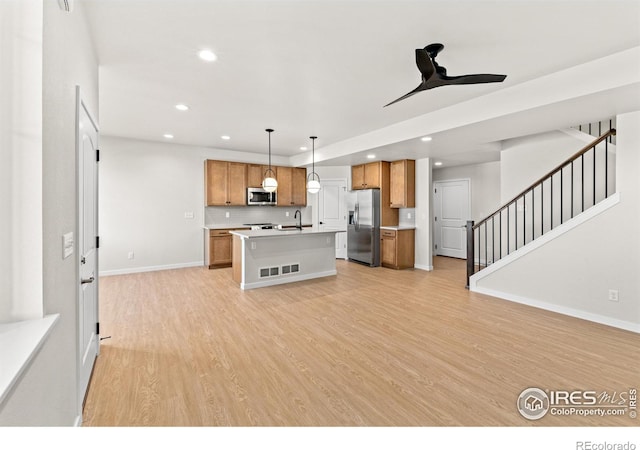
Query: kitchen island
x,y
270,257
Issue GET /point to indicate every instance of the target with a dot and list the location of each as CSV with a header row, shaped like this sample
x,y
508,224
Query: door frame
x,y
81,106
437,235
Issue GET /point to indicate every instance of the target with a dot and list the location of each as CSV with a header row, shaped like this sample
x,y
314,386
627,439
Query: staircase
x,y
574,186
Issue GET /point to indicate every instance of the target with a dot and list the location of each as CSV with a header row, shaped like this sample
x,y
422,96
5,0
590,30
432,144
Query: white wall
x,y
485,185
574,272
47,394
145,190
524,160
20,159
423,215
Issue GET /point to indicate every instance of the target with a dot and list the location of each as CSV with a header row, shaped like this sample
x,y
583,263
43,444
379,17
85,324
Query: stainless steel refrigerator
x,y
363,230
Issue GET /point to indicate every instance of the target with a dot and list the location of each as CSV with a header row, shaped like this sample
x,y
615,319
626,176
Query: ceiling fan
x,y
434,75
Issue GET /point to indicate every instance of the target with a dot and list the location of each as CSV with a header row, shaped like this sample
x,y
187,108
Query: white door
x,y
452,209
332,212
88,337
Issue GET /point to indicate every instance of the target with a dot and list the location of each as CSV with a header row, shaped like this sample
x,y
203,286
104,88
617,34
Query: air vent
x,y
266,272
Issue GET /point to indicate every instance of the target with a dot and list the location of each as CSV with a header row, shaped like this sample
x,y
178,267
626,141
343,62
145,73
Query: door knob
x,y
87,280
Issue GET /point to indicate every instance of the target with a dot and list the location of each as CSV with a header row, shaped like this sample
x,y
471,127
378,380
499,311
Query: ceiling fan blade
x,y
415,91
474,79
425,64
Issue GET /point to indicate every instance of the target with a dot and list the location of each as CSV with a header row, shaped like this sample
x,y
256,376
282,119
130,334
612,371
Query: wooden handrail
x,y
611,132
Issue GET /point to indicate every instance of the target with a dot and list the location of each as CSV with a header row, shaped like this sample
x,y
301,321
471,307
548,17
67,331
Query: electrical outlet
x,y
226,214
408,215
253,246
286,213
613,295
188,215
130,255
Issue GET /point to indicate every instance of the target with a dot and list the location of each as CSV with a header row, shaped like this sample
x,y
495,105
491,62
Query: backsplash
x,y
403,217
217,215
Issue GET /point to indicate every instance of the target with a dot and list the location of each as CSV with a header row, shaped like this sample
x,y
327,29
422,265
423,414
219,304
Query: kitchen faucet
x,y
298,215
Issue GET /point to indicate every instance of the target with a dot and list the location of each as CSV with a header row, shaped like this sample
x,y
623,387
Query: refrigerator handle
x,y
356,217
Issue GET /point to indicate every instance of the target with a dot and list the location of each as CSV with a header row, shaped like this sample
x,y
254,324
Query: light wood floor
x,y
369,347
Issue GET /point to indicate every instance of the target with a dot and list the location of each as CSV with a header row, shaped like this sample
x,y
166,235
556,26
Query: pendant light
x,y
313,179
269,183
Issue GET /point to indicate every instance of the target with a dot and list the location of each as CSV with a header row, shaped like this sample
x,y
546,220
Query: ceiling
x,y
326,68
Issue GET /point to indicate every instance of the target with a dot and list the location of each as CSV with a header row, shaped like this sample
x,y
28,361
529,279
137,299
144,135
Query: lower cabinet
x,y
397,248
219,250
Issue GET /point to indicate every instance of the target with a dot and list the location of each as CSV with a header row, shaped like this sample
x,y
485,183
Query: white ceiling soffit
x,y
326,68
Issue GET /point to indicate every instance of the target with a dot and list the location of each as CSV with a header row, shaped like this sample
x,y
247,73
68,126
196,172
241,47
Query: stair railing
x,y
577,184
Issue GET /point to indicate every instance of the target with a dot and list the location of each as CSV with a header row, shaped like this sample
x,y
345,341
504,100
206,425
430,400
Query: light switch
x,y
67,245
188,215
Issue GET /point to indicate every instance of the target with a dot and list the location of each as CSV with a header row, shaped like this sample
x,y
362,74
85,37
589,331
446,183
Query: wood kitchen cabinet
x,y
220,249
367,176
376,175
225,183
397,248
403,184
292,186
255,174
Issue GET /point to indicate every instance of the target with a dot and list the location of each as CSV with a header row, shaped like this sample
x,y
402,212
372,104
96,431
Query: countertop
x,y
397,228
236,226
250,234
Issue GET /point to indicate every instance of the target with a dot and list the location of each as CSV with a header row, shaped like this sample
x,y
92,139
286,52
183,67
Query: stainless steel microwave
x,y
258,197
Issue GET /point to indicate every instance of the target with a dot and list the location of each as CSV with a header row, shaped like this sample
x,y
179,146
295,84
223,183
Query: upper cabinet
x,y
225,183
255,174
376,175
366,176
403,181
292,189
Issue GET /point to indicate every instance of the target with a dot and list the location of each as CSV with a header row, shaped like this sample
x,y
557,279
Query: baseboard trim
x,y
423,267
107,273
572,312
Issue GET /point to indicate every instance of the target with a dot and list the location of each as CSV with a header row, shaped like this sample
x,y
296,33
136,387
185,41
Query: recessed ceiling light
x,y
426,139
371,156
437,163
225,137
303,148
207,55
182,107
168,136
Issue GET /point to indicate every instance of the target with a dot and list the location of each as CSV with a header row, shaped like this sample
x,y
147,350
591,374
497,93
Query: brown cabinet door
x,y
397,184
255,174
237,188
220,251
357,177
403,184
372,175
299,186
388,250
217,180
285,180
